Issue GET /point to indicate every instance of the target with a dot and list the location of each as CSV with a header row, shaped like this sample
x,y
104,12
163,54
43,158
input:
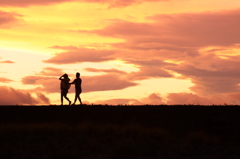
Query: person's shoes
x,y
73,104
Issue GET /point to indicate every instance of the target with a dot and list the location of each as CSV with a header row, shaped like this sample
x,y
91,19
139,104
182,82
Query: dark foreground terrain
x,y
115,132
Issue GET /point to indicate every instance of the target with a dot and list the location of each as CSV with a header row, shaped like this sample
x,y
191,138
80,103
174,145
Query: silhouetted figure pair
x,y
65,85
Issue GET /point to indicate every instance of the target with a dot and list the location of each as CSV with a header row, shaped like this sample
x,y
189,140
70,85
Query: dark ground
x,y
99,132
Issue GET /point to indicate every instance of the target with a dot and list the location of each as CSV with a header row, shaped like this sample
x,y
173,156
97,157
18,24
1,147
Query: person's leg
x,y
67,99
79,98
75,98
65,96
61,98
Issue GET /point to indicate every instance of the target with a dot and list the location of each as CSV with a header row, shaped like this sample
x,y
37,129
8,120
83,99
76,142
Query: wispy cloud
x,y
112,4
7,61
5,80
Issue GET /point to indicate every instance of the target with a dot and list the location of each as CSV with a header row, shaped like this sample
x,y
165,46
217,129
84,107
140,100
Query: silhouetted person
x,y
65,85
78,88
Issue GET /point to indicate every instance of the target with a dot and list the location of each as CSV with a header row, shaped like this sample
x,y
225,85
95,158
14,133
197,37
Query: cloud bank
x,y
11,96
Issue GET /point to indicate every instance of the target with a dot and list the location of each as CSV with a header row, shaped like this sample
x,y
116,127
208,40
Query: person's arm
x,y
72,82
60,78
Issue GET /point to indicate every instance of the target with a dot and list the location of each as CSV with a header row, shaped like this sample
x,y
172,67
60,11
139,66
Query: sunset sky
x,y
127,51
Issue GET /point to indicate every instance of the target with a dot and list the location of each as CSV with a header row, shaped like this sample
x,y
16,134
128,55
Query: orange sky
x,y
128,52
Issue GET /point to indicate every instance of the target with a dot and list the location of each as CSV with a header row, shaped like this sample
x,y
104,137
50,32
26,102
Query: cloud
x,y
25,3
119,102
152,99
11,96
105,82
182,31
201,29
51,71
64,47
210,74
105,70
50,84
111,3
5,80
7,18
7,61
190,98
82,55
46,84
181,38
177,99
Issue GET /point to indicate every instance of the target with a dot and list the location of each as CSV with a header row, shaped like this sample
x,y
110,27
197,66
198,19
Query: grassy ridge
x,y
108,132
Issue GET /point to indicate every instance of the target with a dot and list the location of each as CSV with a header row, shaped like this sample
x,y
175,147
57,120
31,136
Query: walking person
x,y
64,86
78,88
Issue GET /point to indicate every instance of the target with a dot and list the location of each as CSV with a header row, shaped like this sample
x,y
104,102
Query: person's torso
x,y
78,83
65,83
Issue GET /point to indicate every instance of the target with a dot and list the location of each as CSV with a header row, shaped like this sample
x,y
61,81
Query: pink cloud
x,y
210,74
7,61
119,102
46,84
82,55
7,18
25,3
152,99
11,96
192,30
105,82
64,47
51,71
179,37
177,99
115,3
145,72
110,81
5,80
189,98
104,70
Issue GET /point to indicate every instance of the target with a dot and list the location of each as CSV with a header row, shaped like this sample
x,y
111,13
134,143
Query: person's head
x,y
77,74
65,75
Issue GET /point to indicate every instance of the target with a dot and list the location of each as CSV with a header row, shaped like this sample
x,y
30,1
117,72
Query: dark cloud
x,y
11,96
